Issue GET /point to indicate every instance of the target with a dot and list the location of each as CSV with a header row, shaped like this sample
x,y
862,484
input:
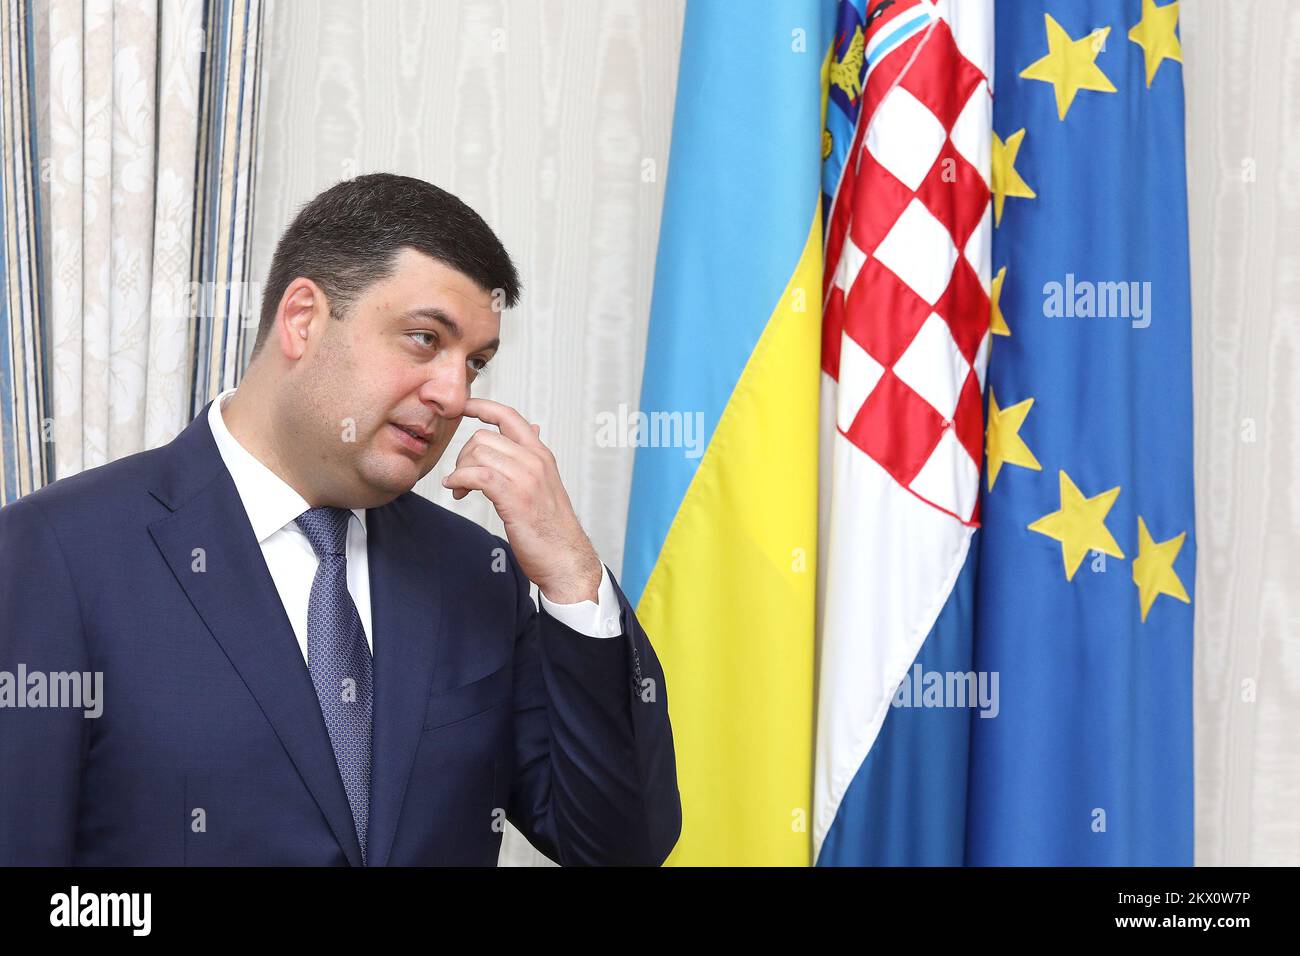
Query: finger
x,y
487,438
511,460
512,424
475,478
534,460
511,471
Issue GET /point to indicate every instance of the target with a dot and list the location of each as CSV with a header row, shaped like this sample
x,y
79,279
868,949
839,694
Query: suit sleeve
x,y
41,748
595,772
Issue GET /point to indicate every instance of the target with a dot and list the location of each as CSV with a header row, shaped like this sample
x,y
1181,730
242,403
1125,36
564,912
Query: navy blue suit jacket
x,y
211,748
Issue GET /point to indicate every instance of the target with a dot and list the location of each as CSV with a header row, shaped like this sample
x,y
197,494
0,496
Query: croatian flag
x,y
904,351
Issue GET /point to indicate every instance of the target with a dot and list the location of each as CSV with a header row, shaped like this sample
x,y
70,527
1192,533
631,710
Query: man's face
x,y
401,361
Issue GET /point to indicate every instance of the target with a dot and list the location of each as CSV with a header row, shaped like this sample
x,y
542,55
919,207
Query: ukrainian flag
x,y
721,547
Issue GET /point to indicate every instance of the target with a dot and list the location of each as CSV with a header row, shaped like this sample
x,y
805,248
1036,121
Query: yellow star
x,y
1080,525
1070,65
998,324
1003,444
1153,569
1155,34
1006,181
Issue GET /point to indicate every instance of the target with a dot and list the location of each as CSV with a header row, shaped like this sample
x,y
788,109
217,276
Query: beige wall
x,y
540,113
1242,75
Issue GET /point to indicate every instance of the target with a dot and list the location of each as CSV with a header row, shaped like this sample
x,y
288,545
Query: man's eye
x,y
433,339
481,368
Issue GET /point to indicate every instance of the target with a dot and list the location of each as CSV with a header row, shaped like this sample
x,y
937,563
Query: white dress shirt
x,y
272,505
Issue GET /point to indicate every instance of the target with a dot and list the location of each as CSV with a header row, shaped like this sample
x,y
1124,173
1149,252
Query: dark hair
x,y
349,236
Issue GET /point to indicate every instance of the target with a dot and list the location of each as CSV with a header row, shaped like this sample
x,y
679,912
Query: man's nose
x,y
446,389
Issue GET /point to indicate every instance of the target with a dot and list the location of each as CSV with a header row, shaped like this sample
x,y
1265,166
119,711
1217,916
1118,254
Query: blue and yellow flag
x,y
1087,558
722,537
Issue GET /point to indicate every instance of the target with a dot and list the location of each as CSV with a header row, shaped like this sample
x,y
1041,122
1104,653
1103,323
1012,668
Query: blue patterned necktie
x,y
339,659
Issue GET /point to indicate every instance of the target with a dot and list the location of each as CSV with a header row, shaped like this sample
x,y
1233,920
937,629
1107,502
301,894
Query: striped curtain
x,y
24,362
227,303
141,116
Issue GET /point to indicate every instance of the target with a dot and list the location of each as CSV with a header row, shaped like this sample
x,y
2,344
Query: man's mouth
x,y
411,438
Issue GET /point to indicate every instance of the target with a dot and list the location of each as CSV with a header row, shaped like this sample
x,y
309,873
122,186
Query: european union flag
x,y
1087,558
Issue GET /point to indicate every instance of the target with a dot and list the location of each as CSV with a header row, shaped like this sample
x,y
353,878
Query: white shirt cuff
x,y
589,617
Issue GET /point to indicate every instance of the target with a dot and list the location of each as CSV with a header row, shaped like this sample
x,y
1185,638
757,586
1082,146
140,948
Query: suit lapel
x,y
236,597
405,611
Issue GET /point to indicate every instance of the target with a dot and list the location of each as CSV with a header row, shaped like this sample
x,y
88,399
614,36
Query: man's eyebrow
x,y
450,324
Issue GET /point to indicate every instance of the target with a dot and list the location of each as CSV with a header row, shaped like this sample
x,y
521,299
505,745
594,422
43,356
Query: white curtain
x,y
146,104
120,225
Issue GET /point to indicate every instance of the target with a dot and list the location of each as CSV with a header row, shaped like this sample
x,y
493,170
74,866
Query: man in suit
x,y
302,661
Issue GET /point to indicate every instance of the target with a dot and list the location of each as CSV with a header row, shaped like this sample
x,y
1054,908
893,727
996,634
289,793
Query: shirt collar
x,y
269,500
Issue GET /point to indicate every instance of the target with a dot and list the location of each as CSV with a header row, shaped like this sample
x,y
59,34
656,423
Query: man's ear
x,y
301,308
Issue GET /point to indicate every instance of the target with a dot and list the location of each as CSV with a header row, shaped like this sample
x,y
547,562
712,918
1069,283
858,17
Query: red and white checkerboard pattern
x,y
906,320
